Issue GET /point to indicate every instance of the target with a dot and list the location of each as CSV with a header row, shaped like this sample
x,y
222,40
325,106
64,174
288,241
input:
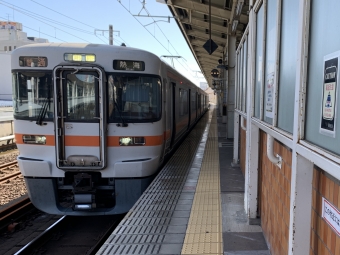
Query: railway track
x,y
8,171
6,147
73,235
15,211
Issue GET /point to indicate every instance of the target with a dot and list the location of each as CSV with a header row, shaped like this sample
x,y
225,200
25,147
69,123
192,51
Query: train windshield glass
x,y
134,98
33,95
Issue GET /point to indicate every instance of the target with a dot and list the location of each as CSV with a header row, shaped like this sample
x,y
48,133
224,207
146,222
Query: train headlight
x,y
34,139
124,141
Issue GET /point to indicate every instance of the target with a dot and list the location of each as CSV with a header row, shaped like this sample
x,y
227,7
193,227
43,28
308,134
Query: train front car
x,y
88,125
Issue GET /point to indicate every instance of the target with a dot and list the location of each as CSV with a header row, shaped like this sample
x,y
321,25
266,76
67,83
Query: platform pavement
x,y
184,212
238,236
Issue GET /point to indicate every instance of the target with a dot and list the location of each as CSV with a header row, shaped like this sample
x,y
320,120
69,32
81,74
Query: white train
x,y
93,123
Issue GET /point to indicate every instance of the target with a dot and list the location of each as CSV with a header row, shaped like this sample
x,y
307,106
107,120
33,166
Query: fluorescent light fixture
x,y
239,7
234,26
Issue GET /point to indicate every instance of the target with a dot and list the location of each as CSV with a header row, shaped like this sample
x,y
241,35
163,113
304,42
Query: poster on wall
x,y
329,94
269,95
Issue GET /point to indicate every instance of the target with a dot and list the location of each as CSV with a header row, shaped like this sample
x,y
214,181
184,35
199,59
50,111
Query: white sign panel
x,y
270,95
329,94
331,215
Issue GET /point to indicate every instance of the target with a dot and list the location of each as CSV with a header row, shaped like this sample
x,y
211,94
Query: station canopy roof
x,y
228,17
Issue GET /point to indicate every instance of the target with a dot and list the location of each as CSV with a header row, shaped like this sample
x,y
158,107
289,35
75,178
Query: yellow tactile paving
x,y
204,231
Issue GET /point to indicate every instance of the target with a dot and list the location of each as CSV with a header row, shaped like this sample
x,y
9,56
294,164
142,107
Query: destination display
x,y
128,65
33,61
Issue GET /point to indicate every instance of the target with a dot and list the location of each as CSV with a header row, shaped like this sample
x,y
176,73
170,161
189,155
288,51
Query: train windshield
x,y
134,98
33,95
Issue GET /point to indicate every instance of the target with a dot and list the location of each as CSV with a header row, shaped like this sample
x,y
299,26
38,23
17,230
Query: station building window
x,y
237,84
322,124
241,75
244,76
288,64
270,63
274,85
259,61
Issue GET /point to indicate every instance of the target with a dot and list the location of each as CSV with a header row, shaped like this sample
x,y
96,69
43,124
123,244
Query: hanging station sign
x,y
329,94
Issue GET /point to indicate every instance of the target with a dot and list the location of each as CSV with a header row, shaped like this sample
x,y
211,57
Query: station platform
x,y
194,205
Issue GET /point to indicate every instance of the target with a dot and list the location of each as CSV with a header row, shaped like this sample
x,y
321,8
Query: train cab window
x,y
134,98
33,95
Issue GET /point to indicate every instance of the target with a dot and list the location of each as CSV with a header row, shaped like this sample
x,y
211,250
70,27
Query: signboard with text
x,y
331,215
329,94
269,95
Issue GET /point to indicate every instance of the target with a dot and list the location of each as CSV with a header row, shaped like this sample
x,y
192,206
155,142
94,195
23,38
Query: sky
x,y
88,22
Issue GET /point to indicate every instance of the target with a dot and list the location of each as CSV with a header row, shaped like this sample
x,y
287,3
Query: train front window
x,y
81,97
33,95
134,98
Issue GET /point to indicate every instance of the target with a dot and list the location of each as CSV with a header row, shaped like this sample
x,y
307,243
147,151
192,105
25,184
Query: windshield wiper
x,y
42,112
120,114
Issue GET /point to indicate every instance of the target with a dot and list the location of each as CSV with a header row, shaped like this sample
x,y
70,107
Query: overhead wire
x,y
101,39
165,36
63,14
72,19
42,19
45,34
155,37
41,32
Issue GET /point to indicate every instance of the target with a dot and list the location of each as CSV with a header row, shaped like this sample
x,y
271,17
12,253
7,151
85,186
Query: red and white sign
x,y
331,215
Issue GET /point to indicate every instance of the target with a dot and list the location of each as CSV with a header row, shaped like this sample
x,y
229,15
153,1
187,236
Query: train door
x,y
197,105
80,118
173,95
189,106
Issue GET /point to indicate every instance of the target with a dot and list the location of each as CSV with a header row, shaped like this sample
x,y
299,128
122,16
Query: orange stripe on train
x,y
87,141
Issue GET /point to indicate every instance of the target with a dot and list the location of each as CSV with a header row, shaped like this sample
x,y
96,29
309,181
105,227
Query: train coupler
x,y
83,192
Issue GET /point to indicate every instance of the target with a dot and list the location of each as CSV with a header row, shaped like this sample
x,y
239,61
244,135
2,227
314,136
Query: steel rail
x,y
15,211
40,238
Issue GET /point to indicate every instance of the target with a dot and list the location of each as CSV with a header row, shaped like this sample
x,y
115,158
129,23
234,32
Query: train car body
x,y
93,123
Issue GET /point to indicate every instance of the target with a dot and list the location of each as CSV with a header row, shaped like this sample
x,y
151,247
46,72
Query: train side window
x,y
183,97
193,101
134,98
